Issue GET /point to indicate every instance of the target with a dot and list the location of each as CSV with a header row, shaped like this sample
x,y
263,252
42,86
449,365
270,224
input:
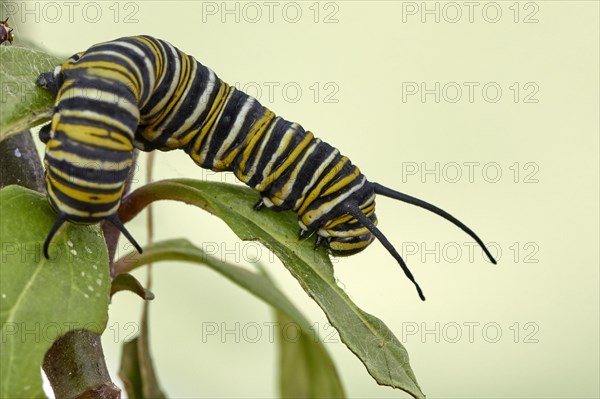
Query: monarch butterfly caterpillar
x,y
6,32
142,92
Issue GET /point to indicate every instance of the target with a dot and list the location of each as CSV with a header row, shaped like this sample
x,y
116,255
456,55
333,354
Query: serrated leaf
x,y
321,381
40,300
22,104
365,335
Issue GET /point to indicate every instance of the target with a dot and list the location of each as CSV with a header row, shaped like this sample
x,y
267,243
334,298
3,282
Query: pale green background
x,y
368,54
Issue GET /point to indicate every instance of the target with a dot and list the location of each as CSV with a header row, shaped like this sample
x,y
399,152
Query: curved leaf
x,y
23,104
314,371
126,282
365,335
40,299
306,370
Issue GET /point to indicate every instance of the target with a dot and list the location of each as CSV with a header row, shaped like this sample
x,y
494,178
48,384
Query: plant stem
x,y
21,163
76,368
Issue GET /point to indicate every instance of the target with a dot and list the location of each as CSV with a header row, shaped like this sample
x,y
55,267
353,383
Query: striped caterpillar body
x,y
142,92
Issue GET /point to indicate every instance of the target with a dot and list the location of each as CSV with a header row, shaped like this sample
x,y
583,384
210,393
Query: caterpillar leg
x,y
45,133
259,205
48,81
319,241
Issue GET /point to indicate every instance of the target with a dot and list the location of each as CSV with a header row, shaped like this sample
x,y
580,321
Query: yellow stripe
x,y
368,211
103,96
342,182
182,84
55,121
282,194
314,194
81,182
93,198
215,109
257,129
90,115
84,162
335,222
181,141
110,70
346,246
159,63
97,137
151,115
65,86
260,133
348,233
290,159
76,212
324,208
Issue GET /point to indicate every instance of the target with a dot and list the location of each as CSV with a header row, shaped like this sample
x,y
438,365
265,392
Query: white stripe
x,y
148,64
280,149
98,117
76,160
316,176
265,138
325,208
235,129
91,93
291,180
84,183
200,106
170,91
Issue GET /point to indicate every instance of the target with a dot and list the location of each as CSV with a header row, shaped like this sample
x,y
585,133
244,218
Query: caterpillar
x,y
142,92
6,32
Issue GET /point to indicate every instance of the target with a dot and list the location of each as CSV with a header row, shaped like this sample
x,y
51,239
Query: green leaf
x,y
23,104
130,372
322,380
365,335
40,299
137,368
306,370
126,282
183,250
